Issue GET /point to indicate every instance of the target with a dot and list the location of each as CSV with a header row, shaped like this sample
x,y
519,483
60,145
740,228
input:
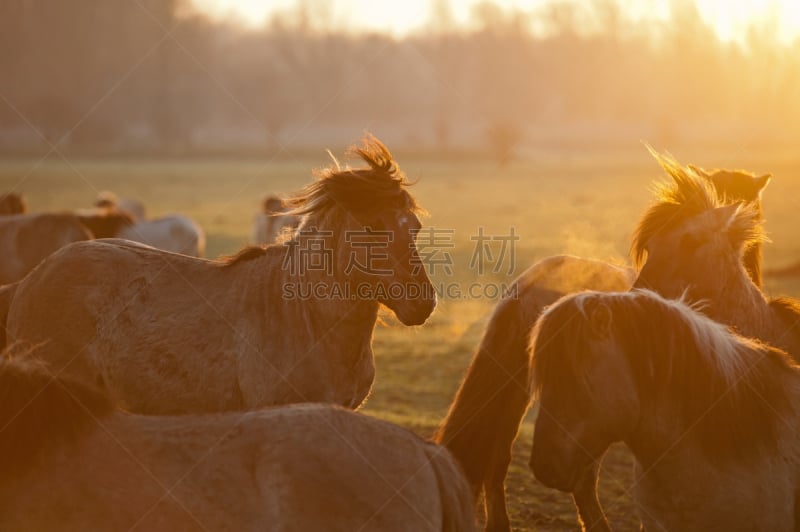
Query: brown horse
x,y
167,333
71,462
709,416
105,223
27,239
492,399
11,203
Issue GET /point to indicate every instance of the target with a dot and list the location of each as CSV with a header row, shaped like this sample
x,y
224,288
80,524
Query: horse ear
x,y
600,321
699,171
761,182
726,214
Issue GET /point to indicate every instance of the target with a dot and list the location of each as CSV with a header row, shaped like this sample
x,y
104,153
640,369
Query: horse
x,y
108,200
173,232
273,220
165,333
105,223
709,415
71,461
27,239
690,242
485,415
11,203
740,185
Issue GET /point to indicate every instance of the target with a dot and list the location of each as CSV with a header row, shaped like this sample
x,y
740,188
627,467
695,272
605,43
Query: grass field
x,y
584,205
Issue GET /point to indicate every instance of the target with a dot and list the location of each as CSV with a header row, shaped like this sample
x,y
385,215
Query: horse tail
x,y
458,513
6,296
486,413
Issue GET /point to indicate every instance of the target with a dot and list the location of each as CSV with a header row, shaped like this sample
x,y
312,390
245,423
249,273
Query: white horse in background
x,y
173,232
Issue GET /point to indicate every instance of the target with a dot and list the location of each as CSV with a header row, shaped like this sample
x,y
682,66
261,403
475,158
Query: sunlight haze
x,y
730,19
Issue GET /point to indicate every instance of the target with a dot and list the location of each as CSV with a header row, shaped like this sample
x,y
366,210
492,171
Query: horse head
x,y
588,398
371,222
691,240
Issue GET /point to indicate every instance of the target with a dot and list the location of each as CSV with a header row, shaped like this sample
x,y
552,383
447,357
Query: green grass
x,y
581,205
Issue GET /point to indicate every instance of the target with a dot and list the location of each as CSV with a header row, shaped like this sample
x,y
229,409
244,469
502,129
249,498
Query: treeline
x,y
154,75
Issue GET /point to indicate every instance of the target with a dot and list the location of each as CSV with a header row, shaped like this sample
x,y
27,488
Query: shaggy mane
x,y
247,254
379,187
685,196
39,412
730,390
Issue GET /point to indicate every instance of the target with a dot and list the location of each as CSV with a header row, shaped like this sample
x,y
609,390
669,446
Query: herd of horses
x,y
150,389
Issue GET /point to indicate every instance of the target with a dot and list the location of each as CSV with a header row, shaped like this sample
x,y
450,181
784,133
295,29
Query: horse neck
x,y
344,319
741,305
752,263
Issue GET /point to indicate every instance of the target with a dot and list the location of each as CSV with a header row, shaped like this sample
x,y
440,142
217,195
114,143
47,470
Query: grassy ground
x,y
556,204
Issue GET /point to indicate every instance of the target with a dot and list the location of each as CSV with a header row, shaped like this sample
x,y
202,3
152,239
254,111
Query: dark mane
x,y
685,196
788,309
379,187
39,412
247,254
728,390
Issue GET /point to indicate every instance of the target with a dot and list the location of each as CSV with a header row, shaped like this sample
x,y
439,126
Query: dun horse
x,y
71,462
485,415
166,333
708,415
691,242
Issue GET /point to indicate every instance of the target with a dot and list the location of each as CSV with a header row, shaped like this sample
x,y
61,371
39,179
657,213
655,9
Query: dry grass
x,y
585,206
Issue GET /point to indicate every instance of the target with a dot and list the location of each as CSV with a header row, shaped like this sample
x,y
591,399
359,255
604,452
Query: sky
x,y
728,17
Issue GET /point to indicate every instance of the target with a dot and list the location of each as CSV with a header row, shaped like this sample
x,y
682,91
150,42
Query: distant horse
x,y
105,223
71,462
11,203
272,220
166,333
173,232
27,239
492,399
107,199
709,416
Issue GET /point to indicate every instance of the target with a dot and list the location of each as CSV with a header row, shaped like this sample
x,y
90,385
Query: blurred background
x,y
501,77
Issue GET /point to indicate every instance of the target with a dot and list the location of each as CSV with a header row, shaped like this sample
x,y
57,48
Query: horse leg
x,y
590,513
495,492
